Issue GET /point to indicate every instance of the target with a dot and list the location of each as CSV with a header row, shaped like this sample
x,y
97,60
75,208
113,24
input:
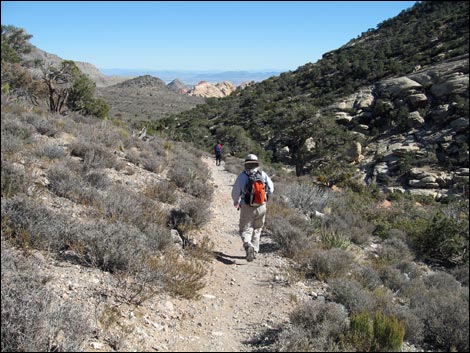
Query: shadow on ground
x,y
226,259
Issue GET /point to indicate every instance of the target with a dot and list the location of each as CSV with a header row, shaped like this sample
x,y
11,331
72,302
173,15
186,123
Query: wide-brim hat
x,y
251,159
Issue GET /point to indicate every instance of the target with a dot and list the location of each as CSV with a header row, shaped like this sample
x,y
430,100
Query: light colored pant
x,y
251,223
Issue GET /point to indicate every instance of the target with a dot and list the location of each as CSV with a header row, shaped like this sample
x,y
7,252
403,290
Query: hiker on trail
x,y
218,152
250,194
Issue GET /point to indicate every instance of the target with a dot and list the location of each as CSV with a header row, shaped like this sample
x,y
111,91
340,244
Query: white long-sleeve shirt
x,y
239,188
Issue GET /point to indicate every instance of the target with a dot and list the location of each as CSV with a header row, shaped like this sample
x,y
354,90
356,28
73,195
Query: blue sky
x,y
196,35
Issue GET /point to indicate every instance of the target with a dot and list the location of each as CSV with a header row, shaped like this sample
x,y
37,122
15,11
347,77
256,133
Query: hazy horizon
x,y
196,35
192,77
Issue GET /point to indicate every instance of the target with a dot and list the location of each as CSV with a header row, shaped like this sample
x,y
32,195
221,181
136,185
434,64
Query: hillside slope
x,y
404,83
145,98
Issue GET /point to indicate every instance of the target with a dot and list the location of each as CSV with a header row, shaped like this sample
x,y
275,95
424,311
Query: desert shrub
x,y
368,277
198,213
445,239
14,179
414,326
203,250
189,174
32,319
146,159
461,274
65,183
317,326
443,308
190,180
289,229
158,237
94,155
42,126
361,332
393,250
325,264
352,295
13,126
294,339
233,165
192,215
292,240
28,224
97,179
306,197
127,206
346,219
109,246
394,279
163,191
11,143
51,151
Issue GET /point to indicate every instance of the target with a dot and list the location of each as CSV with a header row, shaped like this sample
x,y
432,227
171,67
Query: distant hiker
x,y
218,152
250,193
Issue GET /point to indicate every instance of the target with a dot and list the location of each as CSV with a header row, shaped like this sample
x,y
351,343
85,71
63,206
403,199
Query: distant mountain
x,y
146,81
145,98
177,86
191,78
88,69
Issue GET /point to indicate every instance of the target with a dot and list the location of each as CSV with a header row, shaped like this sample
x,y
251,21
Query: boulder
x,y
397,87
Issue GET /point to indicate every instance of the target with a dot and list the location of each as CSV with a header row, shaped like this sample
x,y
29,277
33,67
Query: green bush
x,y
444,240
383,333
388,333
334,239
361,334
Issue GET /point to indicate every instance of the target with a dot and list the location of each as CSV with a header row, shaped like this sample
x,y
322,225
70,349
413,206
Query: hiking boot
x,y
250,253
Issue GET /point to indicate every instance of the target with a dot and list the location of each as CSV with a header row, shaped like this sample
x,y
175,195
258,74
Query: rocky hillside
x,y
88,69
388,108
415,129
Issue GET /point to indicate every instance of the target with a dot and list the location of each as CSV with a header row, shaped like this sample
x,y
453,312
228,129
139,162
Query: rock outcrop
x,y
415,129
206,89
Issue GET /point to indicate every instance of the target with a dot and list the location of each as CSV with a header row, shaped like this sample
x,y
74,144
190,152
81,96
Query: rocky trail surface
x,y
241,299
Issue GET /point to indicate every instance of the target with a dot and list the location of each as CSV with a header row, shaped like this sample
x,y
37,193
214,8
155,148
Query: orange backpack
x,y
255,189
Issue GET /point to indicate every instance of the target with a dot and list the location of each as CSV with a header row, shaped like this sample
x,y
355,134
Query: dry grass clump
x,y
183,276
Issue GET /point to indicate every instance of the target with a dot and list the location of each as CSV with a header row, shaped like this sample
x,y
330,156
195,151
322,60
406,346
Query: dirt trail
x,y
241,299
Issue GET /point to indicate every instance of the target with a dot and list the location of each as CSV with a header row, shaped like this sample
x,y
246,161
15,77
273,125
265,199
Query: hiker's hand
x,y
236,204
